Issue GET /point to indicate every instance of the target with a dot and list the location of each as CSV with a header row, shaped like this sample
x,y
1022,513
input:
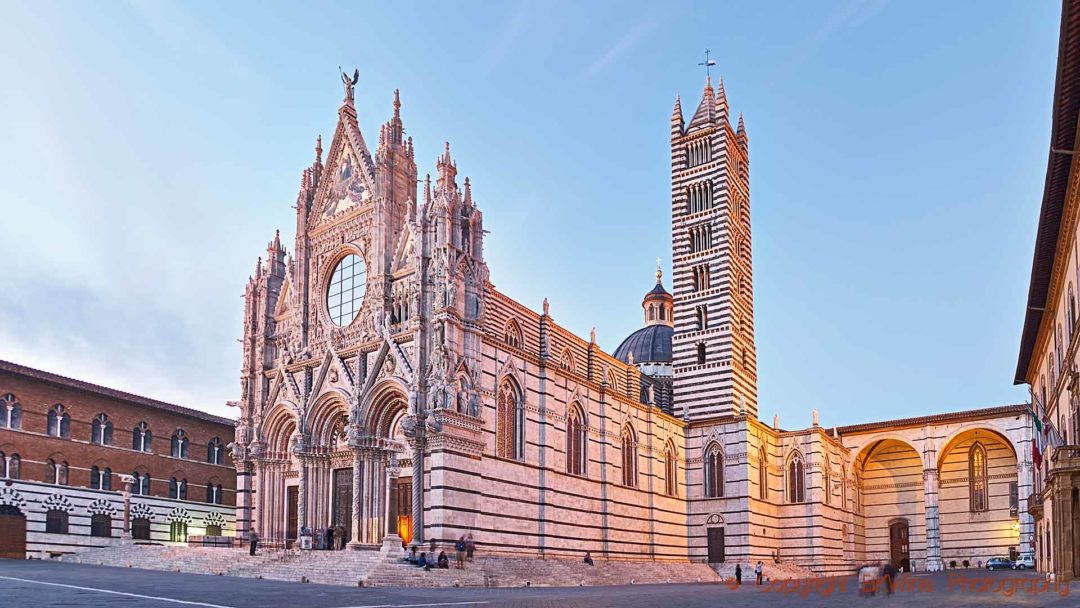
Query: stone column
x,y
391,537
1024,488
933,530
357,471
302,495
417,445
377,494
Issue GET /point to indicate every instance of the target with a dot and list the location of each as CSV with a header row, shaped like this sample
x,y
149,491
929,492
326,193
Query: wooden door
x,y
899,550
292,513
341,512
404,509
716,545
12,533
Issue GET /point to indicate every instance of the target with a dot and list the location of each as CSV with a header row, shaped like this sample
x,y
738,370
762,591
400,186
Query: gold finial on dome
x,y
659,273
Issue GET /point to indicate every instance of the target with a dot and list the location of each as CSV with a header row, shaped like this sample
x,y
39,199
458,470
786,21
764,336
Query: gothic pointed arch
x,y
381,407
671,469
795,477
577,438
510,419
713,470
629,444
512,334
325,414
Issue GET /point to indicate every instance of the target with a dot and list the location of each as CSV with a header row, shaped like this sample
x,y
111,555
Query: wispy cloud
x,y
622,46
508,36
851,15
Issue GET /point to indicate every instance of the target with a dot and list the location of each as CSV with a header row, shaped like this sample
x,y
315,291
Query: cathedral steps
x,y
771,571
372,568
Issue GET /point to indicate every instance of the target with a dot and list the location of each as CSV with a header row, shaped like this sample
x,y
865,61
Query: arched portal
x,y
891,475
978,489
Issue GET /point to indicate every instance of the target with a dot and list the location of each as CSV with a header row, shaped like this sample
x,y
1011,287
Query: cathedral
x,y
389,388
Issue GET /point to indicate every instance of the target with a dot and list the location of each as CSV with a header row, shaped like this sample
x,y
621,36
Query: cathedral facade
x,y
388,387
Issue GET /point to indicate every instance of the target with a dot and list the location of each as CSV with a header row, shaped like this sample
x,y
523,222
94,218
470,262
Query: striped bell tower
x,y
714,359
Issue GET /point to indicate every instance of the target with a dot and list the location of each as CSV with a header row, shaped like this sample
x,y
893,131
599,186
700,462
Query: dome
x,y
651,344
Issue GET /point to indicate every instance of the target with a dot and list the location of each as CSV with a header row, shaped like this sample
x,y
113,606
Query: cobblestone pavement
x,y
43,584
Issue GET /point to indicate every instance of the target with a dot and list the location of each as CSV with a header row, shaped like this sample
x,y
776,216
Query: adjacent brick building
x,y
67,442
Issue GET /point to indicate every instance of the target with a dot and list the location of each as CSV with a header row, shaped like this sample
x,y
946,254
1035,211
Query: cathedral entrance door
x,y
716,545
292,514
341,512
404,509
899,553
12,533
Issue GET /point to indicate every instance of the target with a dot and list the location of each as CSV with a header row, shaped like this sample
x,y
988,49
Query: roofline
x,y
111,393
989,412
1058,168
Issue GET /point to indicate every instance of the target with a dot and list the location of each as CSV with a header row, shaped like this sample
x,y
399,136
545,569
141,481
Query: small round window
x,y
346,291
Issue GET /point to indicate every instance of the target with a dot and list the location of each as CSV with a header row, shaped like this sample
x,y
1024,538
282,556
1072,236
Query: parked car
x,y
1026,562
999,563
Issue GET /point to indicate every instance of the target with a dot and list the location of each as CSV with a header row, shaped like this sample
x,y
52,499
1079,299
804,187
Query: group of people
x,y
759,572
464,548
330,539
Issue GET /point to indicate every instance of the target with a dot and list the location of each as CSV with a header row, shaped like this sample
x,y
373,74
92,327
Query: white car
x,y
1024,563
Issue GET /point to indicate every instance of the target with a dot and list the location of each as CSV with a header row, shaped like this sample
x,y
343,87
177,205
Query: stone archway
x,y
891,473
978,492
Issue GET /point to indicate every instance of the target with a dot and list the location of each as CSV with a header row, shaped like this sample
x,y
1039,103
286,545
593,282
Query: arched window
x,y
141,438
101,430
510,421
59,422
56,472
213,493
796,481
576,437
566,362
215,452
178,488
701,353
843,489
56,522
100,478
714,471
702,318
512,334
10,412
178,532
140,528
140,484
977,478
763,475
11,466
671,472
100,525
1072,310
629,457
826,481
857,492
1058,348
179,444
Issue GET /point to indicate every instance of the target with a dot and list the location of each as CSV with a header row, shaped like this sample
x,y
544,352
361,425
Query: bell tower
x,y
714,358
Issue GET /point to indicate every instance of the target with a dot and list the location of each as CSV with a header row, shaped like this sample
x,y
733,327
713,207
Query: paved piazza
x,y
37,584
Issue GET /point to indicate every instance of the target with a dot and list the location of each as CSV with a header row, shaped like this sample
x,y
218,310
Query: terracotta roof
x,y
989,412
111,393
1062,137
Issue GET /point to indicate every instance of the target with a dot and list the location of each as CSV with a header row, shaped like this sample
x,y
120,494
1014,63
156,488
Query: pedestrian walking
x,y
254,542
460,547
738,574
758,569
470,546
889,572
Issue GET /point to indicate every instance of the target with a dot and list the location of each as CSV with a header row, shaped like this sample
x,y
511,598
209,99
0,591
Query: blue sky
x,y
898,153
